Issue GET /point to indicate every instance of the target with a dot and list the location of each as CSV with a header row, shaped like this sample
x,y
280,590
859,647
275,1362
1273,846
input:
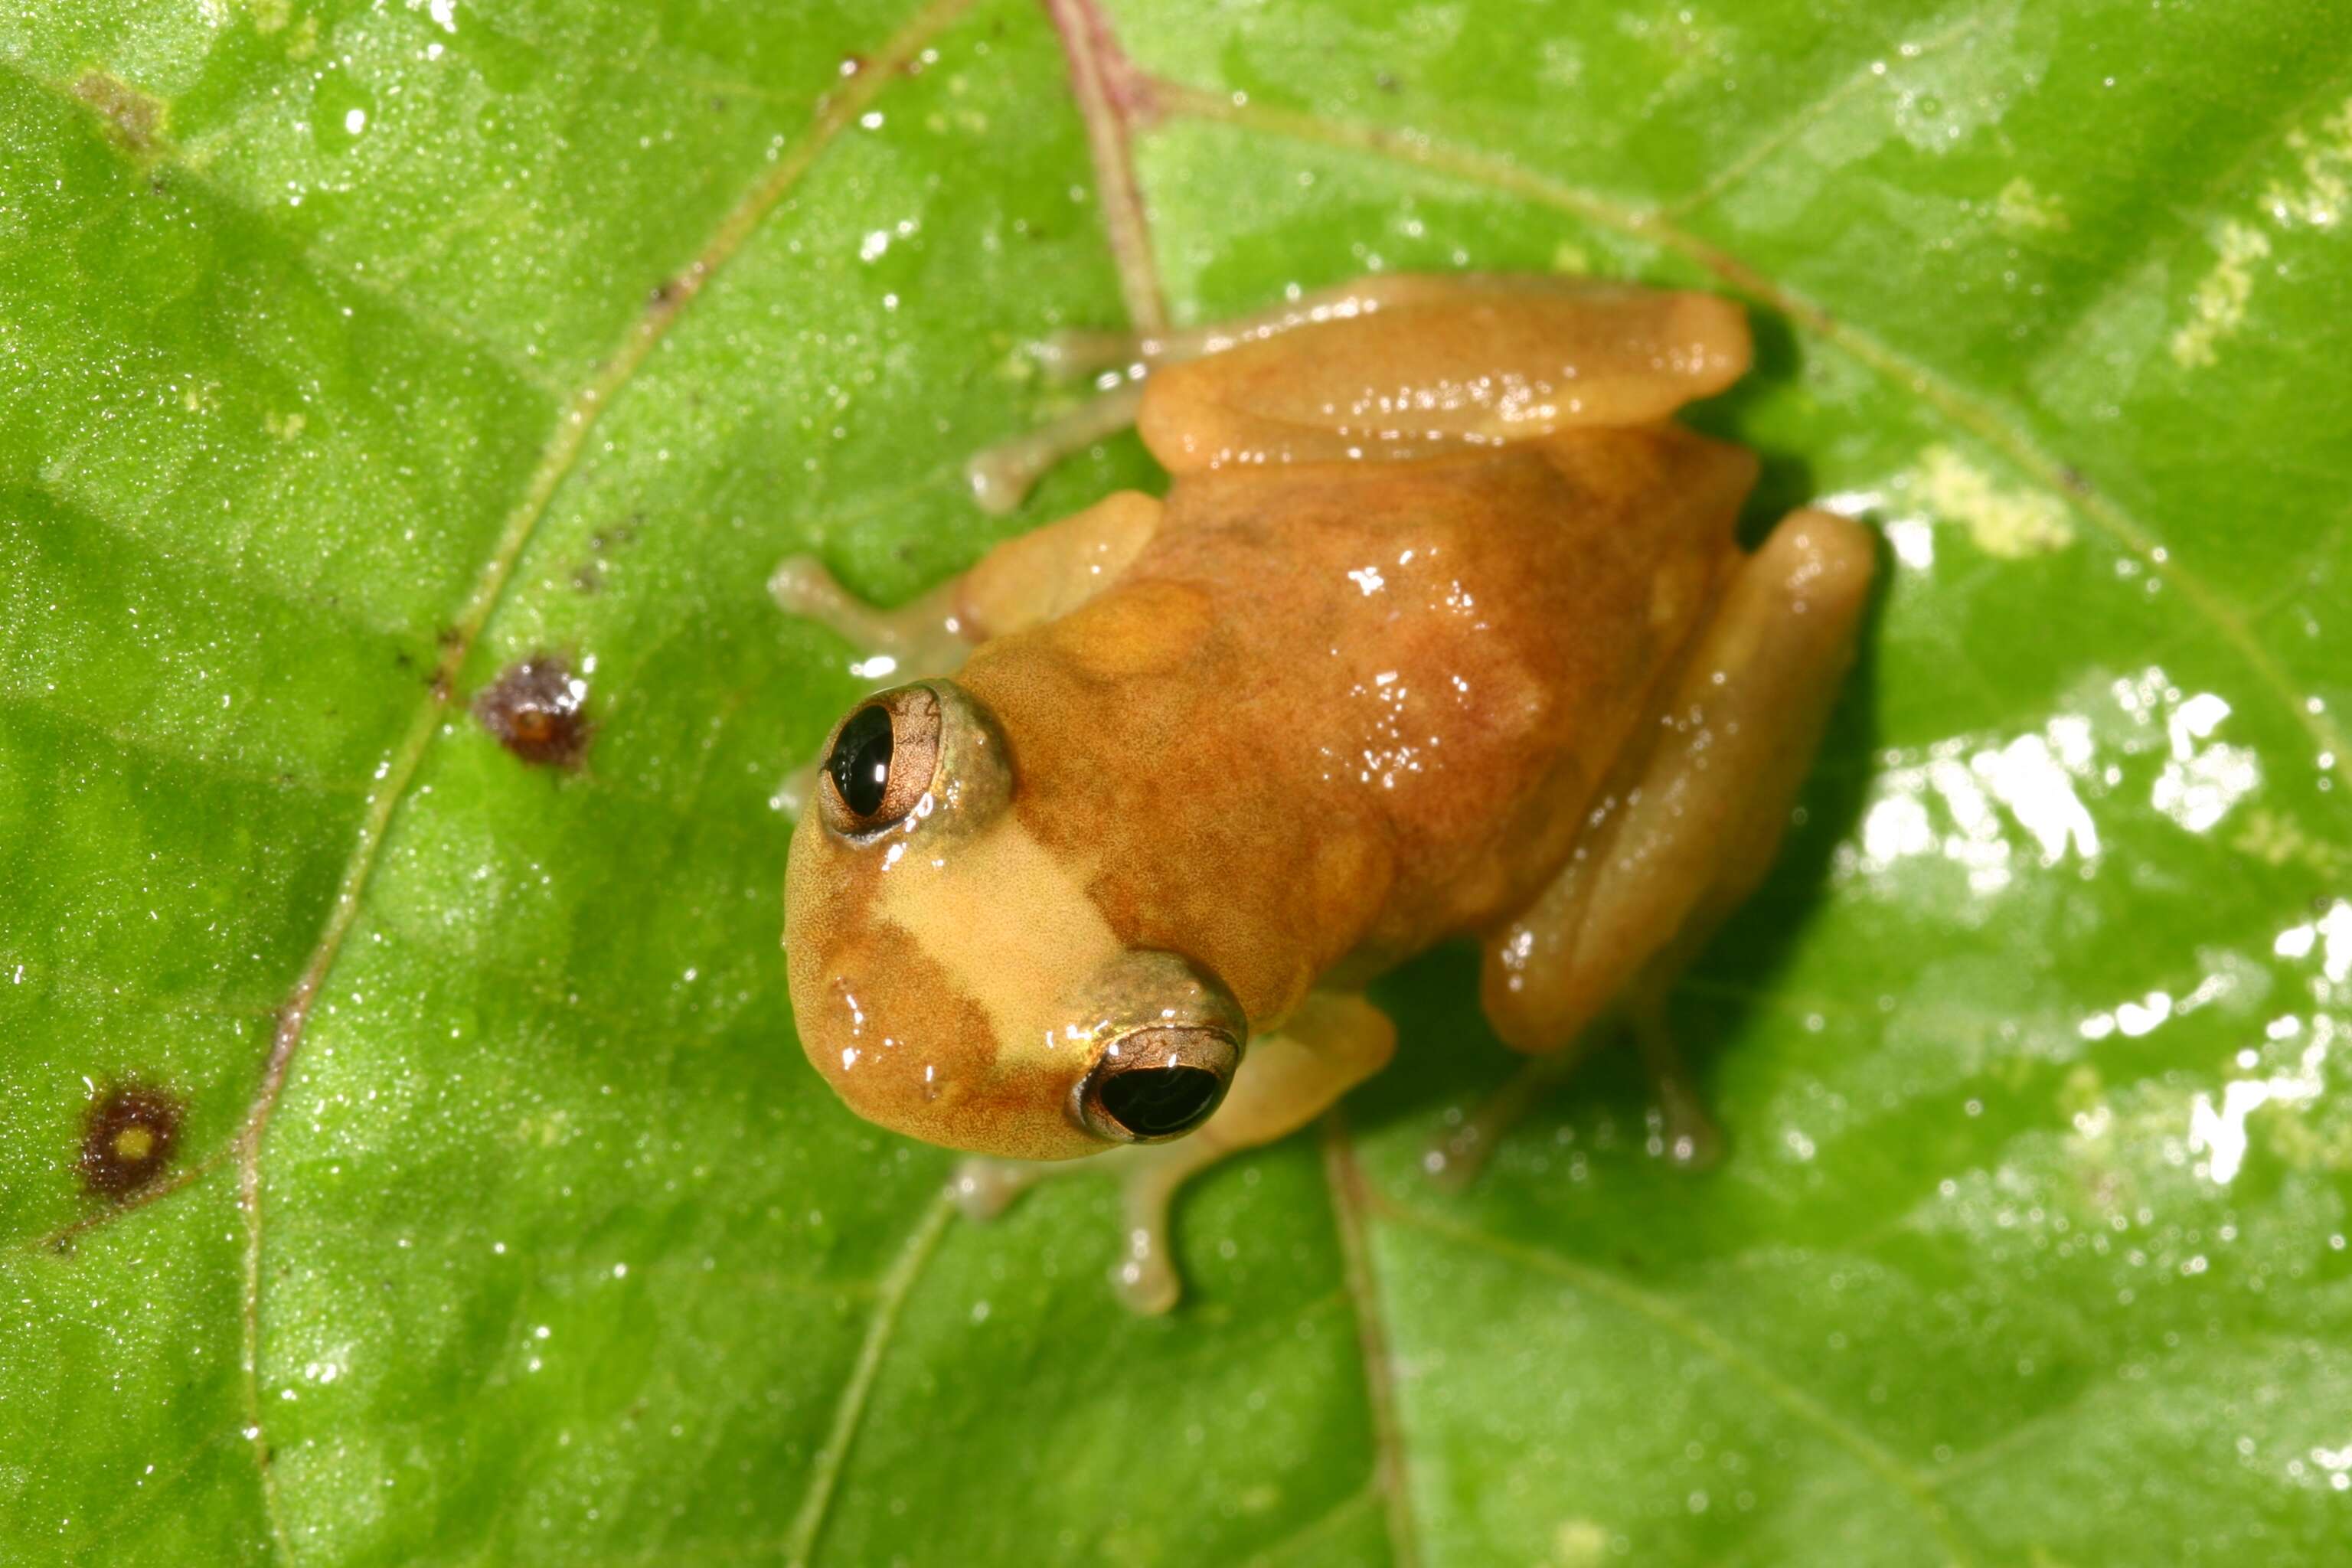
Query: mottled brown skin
x,y
1442,630
1276,770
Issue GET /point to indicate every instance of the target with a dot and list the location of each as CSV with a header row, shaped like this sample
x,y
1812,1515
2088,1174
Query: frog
x,y
1442,630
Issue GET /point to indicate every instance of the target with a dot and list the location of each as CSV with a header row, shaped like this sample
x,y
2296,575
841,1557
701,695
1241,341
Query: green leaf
x,y
356,351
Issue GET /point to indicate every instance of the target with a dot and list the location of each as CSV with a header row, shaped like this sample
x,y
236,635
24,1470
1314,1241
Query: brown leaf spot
x,y
134,118
127,1135
535,710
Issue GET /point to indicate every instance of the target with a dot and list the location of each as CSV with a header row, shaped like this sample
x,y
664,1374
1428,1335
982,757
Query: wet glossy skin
x,y
1441,631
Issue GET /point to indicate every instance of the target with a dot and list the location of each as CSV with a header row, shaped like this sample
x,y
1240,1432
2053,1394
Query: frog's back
x,y
1355,708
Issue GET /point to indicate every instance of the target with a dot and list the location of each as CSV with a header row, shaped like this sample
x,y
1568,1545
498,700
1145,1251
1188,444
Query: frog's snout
x,y
1158,1083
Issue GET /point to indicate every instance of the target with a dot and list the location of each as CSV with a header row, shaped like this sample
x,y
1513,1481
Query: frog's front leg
x,y
1329,1046
1692,838
1027,580
925,636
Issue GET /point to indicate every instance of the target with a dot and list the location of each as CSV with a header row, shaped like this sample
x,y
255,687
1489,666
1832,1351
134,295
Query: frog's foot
x,y
1145,1276
1453,1161
1002,475
1329,1046
798,788
1149,1177
1680,1128
926,636
985,1186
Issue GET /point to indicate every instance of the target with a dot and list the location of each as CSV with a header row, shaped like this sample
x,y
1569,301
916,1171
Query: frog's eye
x,y
1155,1084
881,760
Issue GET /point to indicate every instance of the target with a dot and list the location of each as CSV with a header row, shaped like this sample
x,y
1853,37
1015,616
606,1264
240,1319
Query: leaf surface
x,y
357,351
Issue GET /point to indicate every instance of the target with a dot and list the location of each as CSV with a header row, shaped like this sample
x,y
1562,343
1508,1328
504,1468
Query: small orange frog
x,y
1442,630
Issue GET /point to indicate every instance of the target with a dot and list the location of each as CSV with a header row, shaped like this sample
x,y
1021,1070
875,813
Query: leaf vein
x,y
849,1411
1391,1469
1716,1346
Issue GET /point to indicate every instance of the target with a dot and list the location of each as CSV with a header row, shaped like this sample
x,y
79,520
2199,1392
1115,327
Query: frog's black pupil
x,y
860,763
1152,1102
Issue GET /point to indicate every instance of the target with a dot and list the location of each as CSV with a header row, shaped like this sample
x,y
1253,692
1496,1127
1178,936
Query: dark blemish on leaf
x,y
1385,82
588,577
603,539
665,294
535,710
127,1136
134,119
2073,478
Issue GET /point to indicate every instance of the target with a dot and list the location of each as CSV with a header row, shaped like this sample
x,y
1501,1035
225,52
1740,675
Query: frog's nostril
x,y
1158,1083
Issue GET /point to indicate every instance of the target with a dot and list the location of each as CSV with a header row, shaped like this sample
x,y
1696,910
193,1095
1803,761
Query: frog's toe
x,y
1454,1160
983,1187
1144,1280
1001,476
1145,1277
1680,1127
797,789
1686,1135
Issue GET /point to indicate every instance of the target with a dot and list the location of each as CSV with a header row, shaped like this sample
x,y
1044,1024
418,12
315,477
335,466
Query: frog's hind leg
x,y
1001,475
1331,1044
1452,361
1685,845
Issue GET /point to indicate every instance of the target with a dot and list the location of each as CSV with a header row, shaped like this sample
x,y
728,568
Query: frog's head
x,y
951,974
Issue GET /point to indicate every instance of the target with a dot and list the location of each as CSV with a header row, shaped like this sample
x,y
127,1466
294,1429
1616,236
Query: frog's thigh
x,y
1330,1044
1440,363
1697,835
1088,351
1003,474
